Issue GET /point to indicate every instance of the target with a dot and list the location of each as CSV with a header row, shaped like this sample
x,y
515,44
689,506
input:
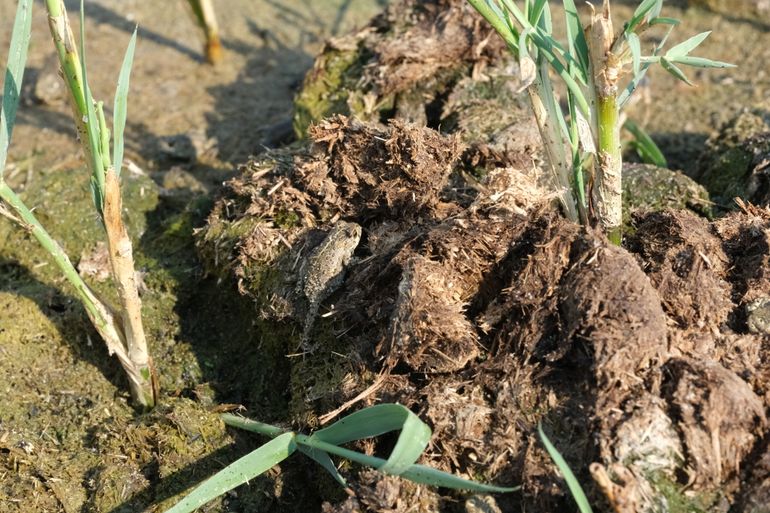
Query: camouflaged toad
x,y
324,270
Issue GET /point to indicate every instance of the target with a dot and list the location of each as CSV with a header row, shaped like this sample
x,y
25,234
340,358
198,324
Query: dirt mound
x,y
433,63
488,312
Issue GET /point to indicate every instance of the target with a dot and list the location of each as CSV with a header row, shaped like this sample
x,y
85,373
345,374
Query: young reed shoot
x,y
601,68
120,328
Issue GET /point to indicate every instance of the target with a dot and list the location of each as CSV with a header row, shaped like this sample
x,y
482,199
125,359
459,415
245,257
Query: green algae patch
x,y
376,74
46,402
330,86
733,165
649,187
679,500
70,439
63,205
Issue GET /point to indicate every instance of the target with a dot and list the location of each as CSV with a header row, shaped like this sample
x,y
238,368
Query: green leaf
x,y
636,50
121,105
664,21
365,423
375,421
645,146
412,441
578,46
323,459
14,75
636,80
537,11
431,476
701,62
574,486
92,121
685,47
676,72
491,12
644,8
237,473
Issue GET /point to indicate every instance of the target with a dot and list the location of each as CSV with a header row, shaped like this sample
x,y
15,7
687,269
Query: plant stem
x,y
122,261
604,72
609,168
308,441
542,102
204,11
64,41
251,425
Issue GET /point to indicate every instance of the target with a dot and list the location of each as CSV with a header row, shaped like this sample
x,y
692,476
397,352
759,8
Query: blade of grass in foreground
x,y
574,486
377,420
14,75
244,469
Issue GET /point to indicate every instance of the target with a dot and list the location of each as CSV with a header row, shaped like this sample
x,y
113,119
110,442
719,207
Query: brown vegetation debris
x,y
399,172
746,239
429,327
719,418
431,36
376,492
627,490
686,264
524,314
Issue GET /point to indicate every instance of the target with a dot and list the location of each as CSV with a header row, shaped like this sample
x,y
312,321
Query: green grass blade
x,y
491,12
431,476
323,459
537,11
636,80
14,75
416,473
578,46
685,47
574,486
121,105
661,20
701,62
365,423
412,441
644,8
377,420
92,122
104,136
237,473
645,146
636,50
674,70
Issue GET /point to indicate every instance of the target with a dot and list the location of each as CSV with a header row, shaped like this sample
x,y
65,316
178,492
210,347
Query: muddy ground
x,y
470,299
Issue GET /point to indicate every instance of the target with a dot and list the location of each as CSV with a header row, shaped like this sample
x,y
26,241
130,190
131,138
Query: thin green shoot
x,y
120,109
645,147
373,421
14,75
572,483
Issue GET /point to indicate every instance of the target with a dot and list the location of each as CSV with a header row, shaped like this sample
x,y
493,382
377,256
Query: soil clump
x,y
487,313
